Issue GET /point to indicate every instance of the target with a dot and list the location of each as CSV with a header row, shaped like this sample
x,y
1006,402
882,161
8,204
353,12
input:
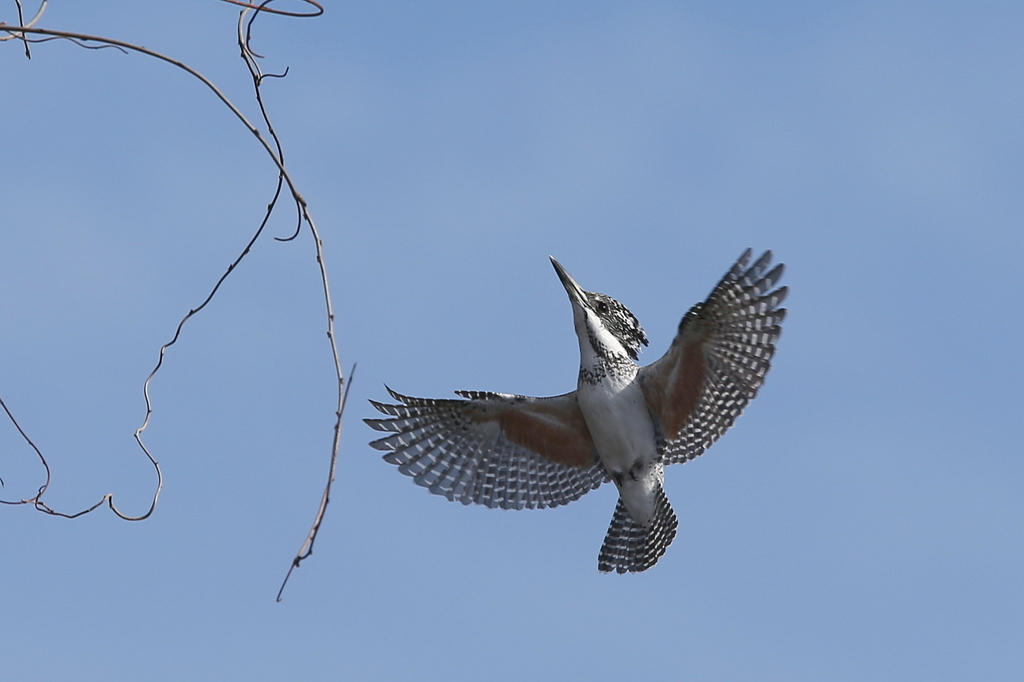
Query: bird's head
x,y
606,324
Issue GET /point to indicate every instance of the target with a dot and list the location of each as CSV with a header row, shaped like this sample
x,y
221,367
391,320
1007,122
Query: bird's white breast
x,y
619,422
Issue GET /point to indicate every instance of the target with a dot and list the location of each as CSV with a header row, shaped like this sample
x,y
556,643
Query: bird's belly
x,y
620,425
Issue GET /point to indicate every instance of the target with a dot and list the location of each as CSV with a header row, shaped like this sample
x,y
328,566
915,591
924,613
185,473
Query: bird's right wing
x,y
499,450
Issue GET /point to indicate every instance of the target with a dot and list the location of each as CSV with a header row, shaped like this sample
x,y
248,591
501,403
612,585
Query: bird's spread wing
x,y
507,451
718,359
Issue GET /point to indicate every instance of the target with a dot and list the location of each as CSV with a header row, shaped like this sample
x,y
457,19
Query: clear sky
x,y
862,520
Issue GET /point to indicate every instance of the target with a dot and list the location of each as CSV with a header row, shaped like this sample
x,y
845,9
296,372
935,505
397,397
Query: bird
x,y
624,423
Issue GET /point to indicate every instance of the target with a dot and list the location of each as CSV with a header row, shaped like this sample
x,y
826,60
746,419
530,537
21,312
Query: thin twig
x,y
263,8
250,58
83,37
307,546
39,454
21,20
79,43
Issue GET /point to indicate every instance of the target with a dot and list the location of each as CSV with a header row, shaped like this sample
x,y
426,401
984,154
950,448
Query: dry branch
x,y
271,143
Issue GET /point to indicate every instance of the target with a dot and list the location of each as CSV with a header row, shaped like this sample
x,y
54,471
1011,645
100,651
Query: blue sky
x,y
862,520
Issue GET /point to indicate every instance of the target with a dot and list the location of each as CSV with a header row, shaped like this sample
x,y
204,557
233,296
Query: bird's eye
x,y
602,307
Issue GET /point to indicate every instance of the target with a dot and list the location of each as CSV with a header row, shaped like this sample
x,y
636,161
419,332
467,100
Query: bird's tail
x,y
631,547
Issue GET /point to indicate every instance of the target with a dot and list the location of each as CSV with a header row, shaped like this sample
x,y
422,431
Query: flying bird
x,y
623,422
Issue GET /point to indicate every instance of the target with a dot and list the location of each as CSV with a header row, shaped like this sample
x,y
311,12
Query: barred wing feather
x,y
495,449
718,359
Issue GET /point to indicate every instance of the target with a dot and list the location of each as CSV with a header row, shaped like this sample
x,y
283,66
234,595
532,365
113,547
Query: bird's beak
x,y
574,290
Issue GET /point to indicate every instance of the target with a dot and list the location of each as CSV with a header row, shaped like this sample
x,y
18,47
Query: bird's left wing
x,y
495,449
718,360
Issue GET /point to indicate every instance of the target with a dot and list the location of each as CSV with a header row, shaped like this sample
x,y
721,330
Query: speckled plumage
x,y
619,321
623,423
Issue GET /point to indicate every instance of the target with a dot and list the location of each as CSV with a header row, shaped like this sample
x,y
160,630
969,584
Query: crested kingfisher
x,y
623,422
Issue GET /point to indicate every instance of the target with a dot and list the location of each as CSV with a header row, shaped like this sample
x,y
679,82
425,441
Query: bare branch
x,y
263,8
21,20
276,153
